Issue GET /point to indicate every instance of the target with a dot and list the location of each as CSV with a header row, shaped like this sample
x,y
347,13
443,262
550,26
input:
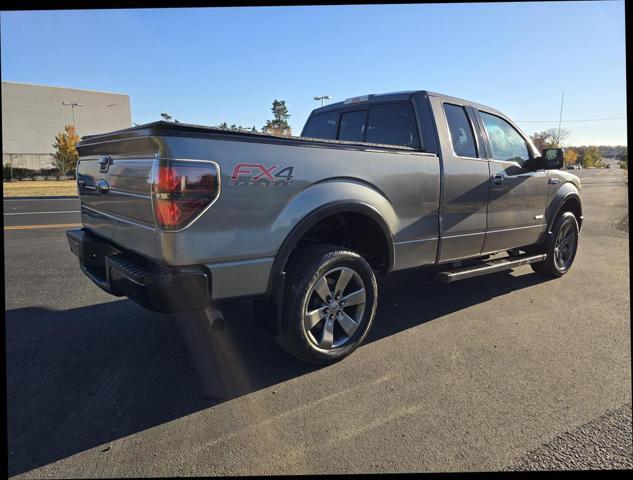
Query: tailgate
x,y
132,191
121,163
119,186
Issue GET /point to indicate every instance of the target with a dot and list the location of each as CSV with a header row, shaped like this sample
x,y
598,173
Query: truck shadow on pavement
x,y
80,378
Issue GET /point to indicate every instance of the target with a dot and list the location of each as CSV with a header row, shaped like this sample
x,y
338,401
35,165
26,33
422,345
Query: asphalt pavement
x,y
29,214
498,372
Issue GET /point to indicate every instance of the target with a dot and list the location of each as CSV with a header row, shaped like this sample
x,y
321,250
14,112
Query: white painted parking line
x,y
43,213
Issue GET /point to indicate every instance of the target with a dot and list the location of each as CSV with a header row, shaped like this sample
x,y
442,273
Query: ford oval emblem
x,y
103,186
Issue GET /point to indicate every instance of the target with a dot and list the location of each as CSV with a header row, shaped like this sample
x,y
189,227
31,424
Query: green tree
x,y
66,156
571,156
279,124
592,157
623,157
166,116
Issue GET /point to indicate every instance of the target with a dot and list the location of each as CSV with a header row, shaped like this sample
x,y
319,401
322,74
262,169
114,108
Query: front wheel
x,y
330,304
561,247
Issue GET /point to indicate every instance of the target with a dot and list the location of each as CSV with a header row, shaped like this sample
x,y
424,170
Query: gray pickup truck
x,y
181,217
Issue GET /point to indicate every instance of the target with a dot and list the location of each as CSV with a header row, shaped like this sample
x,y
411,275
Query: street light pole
x,y
323,97
73,105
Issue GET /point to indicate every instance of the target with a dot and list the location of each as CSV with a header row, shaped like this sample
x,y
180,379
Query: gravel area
x,y
623,224
603,443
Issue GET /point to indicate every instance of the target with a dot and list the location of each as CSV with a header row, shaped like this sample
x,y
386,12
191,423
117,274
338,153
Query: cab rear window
x,y
392,124
387,123
322,125
352,126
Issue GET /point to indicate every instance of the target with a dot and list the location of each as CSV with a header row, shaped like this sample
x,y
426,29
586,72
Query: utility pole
x,y
11,165
73,105
560,117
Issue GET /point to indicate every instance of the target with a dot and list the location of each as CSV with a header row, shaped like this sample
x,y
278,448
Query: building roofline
x,y
65,88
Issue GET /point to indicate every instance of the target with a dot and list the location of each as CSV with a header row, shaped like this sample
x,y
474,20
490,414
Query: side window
x,y
392,124
322,125
460,130
505,142
352,126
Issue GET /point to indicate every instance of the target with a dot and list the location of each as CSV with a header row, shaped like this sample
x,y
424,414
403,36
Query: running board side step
x,y
489,266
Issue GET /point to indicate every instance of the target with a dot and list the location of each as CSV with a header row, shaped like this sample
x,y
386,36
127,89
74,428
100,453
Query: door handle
x,y
497,179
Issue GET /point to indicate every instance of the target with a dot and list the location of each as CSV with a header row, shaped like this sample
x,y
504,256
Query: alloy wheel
x,y
565,246
335,307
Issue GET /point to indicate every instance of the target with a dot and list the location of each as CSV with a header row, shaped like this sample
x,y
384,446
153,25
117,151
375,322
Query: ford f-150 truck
x,y
181,217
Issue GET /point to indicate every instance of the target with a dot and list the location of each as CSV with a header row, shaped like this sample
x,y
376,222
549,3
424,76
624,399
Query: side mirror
x,y
552,158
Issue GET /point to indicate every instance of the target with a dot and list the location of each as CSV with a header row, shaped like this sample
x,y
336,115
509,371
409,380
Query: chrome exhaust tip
x,y
215,317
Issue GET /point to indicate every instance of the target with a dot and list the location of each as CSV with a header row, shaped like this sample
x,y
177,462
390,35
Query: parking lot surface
x,y
489,373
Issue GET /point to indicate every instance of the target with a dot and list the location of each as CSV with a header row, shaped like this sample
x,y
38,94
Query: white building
x,y
33,114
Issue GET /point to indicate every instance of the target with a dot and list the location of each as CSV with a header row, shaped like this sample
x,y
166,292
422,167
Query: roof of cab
x,y
395,96
372,97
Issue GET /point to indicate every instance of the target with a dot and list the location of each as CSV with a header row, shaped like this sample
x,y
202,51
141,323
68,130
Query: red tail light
x,y
182,190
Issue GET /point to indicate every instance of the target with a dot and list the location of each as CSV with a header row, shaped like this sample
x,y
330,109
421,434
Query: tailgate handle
x,y
104,164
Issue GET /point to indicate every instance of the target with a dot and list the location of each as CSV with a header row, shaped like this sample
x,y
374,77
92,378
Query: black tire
x,y
554,265
305,268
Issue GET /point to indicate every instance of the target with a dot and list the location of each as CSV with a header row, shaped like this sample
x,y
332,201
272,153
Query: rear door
x,y
518,193
465,181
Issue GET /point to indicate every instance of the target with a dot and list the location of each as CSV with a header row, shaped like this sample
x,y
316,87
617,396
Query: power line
x,y
567,121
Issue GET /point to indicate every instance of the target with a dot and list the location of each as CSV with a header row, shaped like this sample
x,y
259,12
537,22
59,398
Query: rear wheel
x,y
561,247
331,299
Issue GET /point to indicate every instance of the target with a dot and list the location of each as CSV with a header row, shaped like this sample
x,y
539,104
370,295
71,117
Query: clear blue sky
x,y
207,65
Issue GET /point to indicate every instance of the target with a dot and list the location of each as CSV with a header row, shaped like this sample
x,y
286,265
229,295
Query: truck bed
x,y
250,219
185,129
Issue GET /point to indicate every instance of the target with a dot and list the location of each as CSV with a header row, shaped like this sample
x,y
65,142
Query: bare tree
x,y
558,136
550,138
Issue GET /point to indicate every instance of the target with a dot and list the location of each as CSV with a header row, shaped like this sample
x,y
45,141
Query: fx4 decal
x,y
256,174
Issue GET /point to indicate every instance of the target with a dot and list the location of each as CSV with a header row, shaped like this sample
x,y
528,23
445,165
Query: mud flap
x,y
268,311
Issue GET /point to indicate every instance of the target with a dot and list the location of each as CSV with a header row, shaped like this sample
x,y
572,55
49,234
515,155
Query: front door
x,y
518,193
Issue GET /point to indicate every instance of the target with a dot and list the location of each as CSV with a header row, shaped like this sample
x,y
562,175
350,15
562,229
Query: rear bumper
x,y
153,286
